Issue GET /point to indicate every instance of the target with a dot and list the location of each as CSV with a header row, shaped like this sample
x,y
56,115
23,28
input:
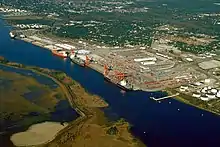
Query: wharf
x,y
166,97
100,62
96,67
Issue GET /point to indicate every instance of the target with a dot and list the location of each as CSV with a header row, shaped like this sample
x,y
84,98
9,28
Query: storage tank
x,y
218,95
204,98
214,91
197,95
211,96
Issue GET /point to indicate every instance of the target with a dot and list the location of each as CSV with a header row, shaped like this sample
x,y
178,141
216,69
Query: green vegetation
x,y
112,130
196,48
121,23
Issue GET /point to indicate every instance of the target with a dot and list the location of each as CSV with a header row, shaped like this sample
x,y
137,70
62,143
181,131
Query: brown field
x,y
92,133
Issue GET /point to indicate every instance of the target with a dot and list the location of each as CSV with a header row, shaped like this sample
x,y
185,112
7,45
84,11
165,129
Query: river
x,y
156,124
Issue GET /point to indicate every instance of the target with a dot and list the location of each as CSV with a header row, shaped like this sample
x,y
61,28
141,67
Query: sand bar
x,y
37,134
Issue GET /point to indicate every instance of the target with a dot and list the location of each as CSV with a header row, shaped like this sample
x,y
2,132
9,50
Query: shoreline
x,y
86,113
93,66
181,99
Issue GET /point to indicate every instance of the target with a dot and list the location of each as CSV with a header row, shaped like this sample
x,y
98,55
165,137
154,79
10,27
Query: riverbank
x,y
188,100
90,114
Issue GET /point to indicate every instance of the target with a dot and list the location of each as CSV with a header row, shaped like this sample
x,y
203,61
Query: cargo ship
x,y
12,35
75,59
60,53
122,84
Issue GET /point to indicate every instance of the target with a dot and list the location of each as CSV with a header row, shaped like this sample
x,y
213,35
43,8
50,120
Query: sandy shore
x,y
37,134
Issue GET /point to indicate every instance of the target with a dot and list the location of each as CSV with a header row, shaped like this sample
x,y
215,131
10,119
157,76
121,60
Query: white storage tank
x,y
197,95
218,95
211,96
209,87
204,98
214,91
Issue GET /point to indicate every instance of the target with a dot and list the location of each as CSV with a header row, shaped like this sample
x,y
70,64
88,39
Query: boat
x,y
61,53
75,59
12,35
122,84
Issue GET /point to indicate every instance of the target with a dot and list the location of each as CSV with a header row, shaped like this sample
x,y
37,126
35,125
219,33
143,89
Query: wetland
x,y
55,111
28,98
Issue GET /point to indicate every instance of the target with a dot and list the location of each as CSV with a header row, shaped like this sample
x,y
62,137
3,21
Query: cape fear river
x,y
156,124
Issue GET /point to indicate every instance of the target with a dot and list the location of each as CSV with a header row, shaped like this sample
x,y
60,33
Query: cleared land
x,y
209,64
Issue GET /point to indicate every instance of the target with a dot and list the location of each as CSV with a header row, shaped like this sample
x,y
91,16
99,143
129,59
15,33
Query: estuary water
x,y
156,124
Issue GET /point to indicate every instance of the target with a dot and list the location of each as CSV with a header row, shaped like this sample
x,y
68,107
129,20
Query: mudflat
x,y
37,134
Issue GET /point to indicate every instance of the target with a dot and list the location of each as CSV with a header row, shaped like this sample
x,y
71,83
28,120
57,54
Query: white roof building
x,y
148,63
63,46
84,52
207,80
145,59
189,59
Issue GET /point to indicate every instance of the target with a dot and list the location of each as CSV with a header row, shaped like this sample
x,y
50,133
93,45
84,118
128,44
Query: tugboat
x,y
12,35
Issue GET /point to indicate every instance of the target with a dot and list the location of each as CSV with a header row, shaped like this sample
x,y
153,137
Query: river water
x,y
156,124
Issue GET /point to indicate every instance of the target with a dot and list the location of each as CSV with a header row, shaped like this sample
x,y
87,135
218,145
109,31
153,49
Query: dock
x,y
166,97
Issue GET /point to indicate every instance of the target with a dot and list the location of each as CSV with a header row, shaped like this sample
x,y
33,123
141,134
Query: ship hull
x,y
59,55
120,86
80,64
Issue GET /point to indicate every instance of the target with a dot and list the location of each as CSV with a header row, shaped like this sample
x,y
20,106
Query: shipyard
x,y
191,78
150,68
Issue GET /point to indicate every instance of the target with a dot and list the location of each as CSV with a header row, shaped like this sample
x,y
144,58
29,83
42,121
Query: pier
x,y
166,97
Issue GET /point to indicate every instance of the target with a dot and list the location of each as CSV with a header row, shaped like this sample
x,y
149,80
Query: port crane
x,y
119,75
87,61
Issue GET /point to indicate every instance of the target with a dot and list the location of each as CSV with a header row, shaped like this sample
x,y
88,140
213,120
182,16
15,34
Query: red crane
x,y
106,70
87,61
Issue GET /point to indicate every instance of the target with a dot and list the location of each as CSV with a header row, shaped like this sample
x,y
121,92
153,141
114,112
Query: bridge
x,y
166,97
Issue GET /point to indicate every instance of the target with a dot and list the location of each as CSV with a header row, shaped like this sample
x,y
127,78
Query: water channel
x,y
156,124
